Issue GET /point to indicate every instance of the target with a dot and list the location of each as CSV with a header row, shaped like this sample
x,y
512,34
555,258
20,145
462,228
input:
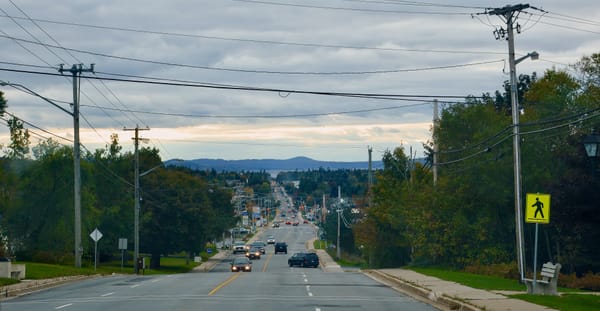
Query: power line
x,y
254,71
256,41
363,10
380,96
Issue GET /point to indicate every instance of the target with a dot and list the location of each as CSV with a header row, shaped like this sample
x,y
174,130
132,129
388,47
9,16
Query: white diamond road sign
x,y
96,235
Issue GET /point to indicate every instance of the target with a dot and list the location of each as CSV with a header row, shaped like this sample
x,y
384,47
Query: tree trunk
x,y
155,261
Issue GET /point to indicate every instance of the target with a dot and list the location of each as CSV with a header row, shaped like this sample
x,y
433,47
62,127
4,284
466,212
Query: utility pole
x,y
370,176
510,13
136,219
436,147
339,210
76,71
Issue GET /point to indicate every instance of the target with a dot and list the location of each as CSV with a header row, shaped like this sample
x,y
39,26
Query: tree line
x,y
467,218
181,210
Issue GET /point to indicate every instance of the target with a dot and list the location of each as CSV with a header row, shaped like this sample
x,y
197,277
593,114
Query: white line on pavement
x,y
107,294
63,306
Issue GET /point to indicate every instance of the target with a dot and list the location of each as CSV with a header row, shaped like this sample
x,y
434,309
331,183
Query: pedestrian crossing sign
x,y
537,208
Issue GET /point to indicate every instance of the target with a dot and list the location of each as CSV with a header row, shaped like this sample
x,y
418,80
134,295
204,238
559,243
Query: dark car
x,y
280,247
241,264
304,260
253,253
260,245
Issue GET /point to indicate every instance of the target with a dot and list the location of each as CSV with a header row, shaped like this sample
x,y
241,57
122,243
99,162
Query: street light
x,y
136,225
591,144
514,98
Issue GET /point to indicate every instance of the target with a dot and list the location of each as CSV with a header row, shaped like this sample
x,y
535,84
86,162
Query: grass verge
x,y
168,265
570,302
570,299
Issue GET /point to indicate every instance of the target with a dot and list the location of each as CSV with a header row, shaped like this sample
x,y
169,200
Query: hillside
x,y
297,163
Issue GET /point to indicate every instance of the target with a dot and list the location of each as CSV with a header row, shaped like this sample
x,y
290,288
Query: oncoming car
x,y
241,264
253,253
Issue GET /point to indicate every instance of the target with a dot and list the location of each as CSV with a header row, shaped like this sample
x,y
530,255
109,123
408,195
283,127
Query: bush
x,y
503,270
589,281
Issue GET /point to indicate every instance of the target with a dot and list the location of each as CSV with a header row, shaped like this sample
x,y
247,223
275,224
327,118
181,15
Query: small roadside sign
x,y
96,235
538,208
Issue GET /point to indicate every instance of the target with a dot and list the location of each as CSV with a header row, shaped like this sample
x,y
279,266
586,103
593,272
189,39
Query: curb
x,y
31,286
437,300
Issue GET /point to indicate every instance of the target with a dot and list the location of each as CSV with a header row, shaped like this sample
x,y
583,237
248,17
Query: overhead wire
x,y
256,41
256,71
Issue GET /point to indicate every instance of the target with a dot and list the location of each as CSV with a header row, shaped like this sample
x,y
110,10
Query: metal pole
x,y
435,140
76,71
76,169
339,210
516,147
136,217
535,257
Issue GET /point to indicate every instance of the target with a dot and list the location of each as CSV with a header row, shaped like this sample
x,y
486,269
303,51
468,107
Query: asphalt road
x,y
272,285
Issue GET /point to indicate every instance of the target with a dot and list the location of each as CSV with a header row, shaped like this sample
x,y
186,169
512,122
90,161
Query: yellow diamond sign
x,y
537,208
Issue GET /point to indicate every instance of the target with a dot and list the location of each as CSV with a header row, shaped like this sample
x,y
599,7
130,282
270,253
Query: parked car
x,y
241,264
253,253
304,260
280,247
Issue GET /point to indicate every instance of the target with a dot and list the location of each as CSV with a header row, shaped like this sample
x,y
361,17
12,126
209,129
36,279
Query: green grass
x,y
5,281
566,302
168,265
473,280
570,299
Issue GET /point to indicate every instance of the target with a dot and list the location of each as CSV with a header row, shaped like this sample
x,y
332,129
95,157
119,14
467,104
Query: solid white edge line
x,y
63,306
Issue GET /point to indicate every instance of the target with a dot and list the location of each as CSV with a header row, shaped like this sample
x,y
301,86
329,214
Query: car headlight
x,y
247,267
234,268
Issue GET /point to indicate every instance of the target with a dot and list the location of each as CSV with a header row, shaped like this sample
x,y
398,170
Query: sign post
x,y
535,213
96,235
122,247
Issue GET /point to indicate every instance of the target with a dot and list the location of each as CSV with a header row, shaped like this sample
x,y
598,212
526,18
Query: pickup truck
x,y
239,247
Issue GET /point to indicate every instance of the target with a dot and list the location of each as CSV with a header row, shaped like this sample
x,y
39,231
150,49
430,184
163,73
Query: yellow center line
x,y
229,280
264,268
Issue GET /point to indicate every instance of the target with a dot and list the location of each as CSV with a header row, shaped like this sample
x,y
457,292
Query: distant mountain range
x,y
297,163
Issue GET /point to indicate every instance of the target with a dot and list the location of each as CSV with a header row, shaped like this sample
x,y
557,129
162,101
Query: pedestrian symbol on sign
x,y
538,208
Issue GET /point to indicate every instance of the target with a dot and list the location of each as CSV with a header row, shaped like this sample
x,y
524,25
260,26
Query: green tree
x,y
19,139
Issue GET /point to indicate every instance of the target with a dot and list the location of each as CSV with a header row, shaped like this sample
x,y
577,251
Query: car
x,y
305,221
275,225
253,253
287,222
304,260
280,247
295,223
241,264
271,240
239,247
260,245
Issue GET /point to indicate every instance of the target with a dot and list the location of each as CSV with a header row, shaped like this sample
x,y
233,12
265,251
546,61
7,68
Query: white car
x,y
271,240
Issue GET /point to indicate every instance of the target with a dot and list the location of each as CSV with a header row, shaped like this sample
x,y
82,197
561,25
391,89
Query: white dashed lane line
x,y
63,306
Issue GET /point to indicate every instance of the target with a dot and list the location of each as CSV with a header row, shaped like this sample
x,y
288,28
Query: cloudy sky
x,y
270,79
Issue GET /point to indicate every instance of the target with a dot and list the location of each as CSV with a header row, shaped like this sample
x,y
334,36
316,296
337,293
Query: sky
x,y
242,79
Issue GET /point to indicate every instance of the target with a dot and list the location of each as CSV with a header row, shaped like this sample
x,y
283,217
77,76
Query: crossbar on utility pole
x,y
76,71
509,13
136,217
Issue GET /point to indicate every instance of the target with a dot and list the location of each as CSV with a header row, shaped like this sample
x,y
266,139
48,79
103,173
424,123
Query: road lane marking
x,y
229,280
63,306
155,280
107,294
309,294
264,268
134,286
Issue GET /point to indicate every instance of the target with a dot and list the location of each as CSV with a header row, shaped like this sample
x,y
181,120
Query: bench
x,y
548,283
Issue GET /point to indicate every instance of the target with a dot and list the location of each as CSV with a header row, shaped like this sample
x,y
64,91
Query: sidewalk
x,y
444,295
449,295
